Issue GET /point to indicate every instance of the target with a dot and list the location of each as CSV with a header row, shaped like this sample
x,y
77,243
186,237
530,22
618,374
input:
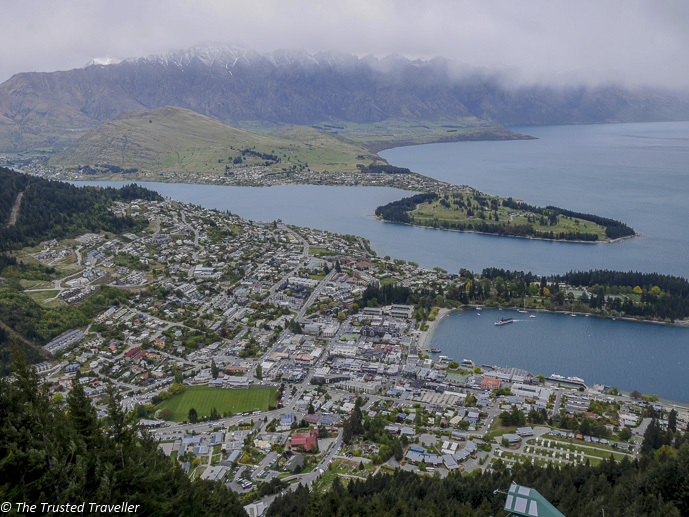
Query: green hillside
x,y
176,142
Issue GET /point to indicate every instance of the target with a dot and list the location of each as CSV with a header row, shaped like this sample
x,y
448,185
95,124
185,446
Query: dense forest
x,y
107,168
674,285
55,210
62,453
39,324
398,211
387,295
632,294
659,296
656,483
610,293
386,169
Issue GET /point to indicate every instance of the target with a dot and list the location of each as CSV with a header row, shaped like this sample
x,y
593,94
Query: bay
x,y
627,355
636,173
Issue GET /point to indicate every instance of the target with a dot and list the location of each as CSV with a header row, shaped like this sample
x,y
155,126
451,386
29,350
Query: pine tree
x,y
49,453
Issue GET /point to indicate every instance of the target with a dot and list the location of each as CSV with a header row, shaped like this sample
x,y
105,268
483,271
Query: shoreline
x,y
425,340
426,334
601,241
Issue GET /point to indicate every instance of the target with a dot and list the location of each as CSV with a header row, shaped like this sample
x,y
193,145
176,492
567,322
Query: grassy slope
x,y
179,140
203,398
401,132
425,213
327,150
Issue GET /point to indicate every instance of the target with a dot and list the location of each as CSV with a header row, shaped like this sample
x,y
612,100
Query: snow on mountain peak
x,y
104,61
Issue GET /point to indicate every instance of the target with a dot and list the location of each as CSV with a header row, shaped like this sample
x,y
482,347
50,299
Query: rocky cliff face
x,y
294,87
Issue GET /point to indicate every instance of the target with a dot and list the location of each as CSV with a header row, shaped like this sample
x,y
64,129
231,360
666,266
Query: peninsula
x,y
473,211
180,146
177,145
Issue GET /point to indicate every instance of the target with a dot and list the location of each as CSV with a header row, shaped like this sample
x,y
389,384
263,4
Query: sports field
x,y
203,398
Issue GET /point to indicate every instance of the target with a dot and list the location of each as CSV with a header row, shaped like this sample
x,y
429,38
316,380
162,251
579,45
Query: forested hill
x,y
653,485
55,210
62,453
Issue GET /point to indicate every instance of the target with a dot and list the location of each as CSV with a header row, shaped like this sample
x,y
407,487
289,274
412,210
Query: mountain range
x,y
293,87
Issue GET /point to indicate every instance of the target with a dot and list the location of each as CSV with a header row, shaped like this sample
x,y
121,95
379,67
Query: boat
x,y
532,316
504,321
523,311
468,363
436,350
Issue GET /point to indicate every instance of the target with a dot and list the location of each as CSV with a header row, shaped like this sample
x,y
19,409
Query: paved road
x,y
314,295
556,405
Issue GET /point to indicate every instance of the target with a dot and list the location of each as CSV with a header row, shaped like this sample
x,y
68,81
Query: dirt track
x,y
15,209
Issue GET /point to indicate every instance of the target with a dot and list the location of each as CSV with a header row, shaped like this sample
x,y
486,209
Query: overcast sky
x,y
629,41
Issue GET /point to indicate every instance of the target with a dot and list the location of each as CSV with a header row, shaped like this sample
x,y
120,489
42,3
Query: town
x,y
244,176
256,355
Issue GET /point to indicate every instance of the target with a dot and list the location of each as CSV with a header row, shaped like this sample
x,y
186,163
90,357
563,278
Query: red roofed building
x,y
490,383
131,353
307,440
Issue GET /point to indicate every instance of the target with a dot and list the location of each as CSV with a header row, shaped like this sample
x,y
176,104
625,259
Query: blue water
x,y
636,173
628,355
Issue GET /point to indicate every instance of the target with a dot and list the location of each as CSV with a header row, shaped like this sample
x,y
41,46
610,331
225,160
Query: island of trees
x,y
477,212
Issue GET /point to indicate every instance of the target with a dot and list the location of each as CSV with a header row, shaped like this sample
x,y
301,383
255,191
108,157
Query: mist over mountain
x,y
242,87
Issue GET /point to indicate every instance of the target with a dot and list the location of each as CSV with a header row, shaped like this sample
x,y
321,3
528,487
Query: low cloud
x,y
633,42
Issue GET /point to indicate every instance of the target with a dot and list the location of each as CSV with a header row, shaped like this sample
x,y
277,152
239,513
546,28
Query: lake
x,y
627,355
636,173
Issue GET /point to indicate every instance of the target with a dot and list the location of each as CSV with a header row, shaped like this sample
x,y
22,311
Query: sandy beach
x,y
423,337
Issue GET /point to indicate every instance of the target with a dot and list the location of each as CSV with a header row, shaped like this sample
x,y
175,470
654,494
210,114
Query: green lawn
x,y
203,398
45,297
428,214
319,252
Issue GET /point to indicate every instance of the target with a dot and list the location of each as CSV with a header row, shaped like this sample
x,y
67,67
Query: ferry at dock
x,y
468,364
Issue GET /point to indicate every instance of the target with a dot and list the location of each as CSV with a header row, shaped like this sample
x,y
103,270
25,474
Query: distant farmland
x,y
203,398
